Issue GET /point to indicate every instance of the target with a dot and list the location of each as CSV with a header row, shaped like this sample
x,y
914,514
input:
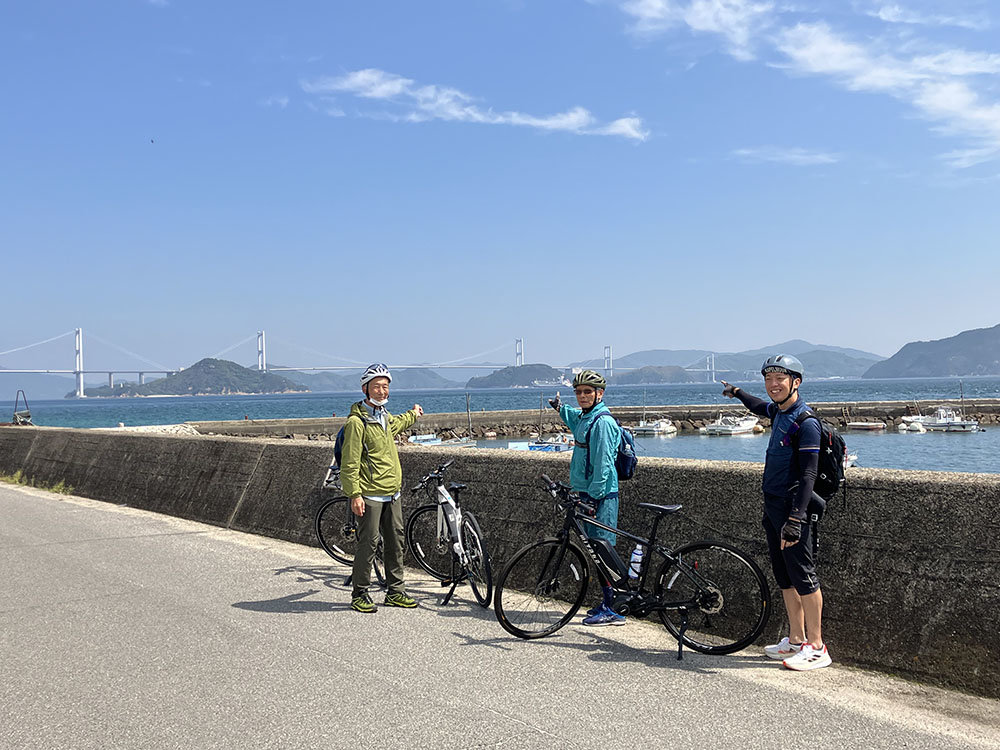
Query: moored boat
x,y
728,424
655,427
946,419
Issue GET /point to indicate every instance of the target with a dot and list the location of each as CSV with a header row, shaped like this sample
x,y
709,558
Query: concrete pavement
x,y
122,628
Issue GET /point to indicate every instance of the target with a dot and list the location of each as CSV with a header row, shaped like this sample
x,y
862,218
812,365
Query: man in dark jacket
x,y
789,475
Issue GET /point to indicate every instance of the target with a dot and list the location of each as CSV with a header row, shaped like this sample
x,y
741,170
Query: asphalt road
x,y
125,629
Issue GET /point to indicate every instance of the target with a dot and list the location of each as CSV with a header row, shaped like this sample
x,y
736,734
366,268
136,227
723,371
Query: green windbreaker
x,y
375,470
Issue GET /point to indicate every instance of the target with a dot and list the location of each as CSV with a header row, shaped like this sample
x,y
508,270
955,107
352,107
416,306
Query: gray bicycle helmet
x,y
783,363
376,370
591,378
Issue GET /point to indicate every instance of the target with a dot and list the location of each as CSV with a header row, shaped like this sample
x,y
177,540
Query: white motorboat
x,y
866,425
851,460
655,427
728,424
428,439
946,419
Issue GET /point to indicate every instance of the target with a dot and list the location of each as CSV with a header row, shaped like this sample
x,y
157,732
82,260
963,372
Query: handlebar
x,y
566,497
436,474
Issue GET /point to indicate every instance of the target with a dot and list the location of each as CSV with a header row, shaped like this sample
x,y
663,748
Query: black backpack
x,y
625,458
832,456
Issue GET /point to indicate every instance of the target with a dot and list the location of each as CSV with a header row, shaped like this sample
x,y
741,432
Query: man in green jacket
x,y
372,478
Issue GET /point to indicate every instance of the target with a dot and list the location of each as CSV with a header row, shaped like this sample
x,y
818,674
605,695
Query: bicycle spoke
x,y
541,588
724,593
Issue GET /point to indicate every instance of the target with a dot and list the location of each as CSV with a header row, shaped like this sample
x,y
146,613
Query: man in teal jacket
x,y
372,478
592,469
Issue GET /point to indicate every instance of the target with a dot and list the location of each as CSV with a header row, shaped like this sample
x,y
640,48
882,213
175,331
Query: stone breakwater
x,y
524,423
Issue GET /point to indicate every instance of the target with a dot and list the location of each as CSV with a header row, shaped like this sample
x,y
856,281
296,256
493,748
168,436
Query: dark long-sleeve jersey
x,y
789,474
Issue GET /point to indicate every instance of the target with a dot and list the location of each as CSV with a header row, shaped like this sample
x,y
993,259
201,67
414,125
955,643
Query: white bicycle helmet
x,y
376,370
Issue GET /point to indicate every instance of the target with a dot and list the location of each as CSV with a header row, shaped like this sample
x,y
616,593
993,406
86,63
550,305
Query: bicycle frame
x,y
642,601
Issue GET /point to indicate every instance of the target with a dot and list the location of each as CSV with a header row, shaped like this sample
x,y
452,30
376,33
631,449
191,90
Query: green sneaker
x,y
364,604
399,600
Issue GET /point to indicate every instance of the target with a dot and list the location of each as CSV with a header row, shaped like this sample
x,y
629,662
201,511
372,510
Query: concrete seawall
x,y
908,566
524,421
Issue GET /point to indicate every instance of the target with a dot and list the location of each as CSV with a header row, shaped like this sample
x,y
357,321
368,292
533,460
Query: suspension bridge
x,y
155,368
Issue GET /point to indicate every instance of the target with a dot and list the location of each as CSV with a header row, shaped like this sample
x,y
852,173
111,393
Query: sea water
x,y
975,452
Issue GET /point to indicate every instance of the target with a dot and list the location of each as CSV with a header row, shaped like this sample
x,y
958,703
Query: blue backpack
x,y
625,458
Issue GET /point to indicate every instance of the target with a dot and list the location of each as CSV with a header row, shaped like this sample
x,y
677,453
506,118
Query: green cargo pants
x,y
387,518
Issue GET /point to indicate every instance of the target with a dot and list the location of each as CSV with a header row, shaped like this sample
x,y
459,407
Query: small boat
x,y
728,424
553,444
866,425
851,460
655,427
428,439
946,419
458,442
554,383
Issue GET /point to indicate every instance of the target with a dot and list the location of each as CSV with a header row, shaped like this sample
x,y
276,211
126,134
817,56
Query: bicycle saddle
x,y
661,509
456,486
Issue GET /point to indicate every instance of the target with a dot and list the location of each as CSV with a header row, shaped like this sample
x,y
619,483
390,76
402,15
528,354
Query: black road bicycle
x,y
337,527
447,541
710,596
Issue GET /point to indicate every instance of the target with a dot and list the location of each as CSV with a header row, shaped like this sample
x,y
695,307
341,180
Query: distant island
x,y
515,377
208,377
411,378
969,353
653,375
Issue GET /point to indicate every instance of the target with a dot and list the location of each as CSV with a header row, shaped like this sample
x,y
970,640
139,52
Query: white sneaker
x,y
808,658
782,649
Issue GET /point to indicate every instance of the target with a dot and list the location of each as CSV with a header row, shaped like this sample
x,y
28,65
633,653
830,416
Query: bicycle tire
x,y
479,572
432,554
732,597
541,588
331,525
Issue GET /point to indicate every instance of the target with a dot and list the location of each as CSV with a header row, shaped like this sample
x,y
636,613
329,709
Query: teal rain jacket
x,y
604,439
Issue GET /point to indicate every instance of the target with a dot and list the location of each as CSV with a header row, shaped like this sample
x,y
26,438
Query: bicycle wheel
x,y
336,529
729,601
431,551
541,588
480,574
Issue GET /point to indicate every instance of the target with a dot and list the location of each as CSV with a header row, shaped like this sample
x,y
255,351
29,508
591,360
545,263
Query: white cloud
x,y
739,21
420,103
951,87
898,14
936,86
796,157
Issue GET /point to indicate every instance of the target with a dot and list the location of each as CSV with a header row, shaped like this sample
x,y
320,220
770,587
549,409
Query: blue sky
x,y
427,181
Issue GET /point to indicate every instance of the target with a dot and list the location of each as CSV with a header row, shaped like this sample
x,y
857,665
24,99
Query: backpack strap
x,y
588,470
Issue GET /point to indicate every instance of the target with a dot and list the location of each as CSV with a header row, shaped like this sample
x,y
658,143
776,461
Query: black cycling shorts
x,y
793,566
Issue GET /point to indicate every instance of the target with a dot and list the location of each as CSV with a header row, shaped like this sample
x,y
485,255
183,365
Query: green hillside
x,y
653,375
975,352
209,377
509,377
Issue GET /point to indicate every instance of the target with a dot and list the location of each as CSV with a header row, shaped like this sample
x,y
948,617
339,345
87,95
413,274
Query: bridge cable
x,y
39,343
238,343
131,354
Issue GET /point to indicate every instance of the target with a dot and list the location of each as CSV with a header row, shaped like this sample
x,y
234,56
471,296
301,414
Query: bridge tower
x,y
261,352
518,352
78,369
609,362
